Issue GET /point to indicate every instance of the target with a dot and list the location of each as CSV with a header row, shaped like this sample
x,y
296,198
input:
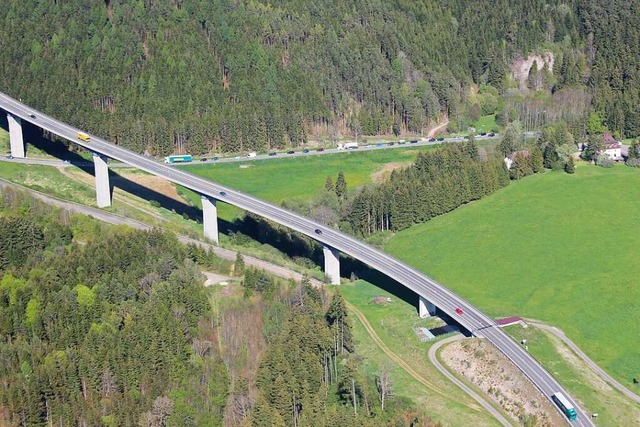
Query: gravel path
x,y
434,359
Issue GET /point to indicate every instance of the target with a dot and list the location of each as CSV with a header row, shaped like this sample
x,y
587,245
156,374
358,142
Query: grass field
x,y
486,124
279,179
556,247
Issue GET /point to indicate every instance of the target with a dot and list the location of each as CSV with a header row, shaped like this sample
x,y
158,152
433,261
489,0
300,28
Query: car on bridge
x,y
223,194
33,116
459,311
318,231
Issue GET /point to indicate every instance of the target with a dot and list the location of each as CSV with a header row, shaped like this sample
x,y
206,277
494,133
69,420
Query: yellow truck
x,y
83,137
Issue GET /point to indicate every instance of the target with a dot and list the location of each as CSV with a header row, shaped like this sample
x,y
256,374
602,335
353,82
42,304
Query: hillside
x,y
198,76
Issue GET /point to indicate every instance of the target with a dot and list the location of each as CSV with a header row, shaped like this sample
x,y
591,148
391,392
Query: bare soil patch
x,y
154,183
484,366
384,172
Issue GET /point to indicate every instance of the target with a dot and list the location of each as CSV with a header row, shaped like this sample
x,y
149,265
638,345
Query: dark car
x,y
291,152
492,134
273,154
441,139
214,158
413,141
204,159
392,143
318,231
223,194
483,134
305,151
459,311
10,157
320,149
33,116
432,140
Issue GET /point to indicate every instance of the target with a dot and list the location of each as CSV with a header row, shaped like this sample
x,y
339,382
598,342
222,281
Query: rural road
x,y
444,371
593,365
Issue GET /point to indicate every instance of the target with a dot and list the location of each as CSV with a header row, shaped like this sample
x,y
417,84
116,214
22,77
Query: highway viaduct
x,y
431,294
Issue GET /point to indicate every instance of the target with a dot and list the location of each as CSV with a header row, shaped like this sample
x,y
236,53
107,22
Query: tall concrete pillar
x,y
103,188
332,264
426,308
15,135
210,218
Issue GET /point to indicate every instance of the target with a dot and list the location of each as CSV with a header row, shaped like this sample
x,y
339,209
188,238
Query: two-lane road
x,y
473,319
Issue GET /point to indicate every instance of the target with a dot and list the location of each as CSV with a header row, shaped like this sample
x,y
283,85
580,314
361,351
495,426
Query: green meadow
x,y
555,247
302,176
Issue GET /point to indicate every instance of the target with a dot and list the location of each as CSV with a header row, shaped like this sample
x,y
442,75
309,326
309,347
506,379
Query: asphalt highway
x,y
473,319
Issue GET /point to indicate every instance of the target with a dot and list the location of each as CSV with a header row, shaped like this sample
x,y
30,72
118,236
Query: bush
x,y
154,203
604,161
633,163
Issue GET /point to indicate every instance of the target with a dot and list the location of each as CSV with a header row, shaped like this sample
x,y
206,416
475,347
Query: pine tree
x,y
341,186
569,167
328,184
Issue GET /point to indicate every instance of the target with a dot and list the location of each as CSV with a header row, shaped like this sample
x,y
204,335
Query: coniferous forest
x,y
103,325
203,76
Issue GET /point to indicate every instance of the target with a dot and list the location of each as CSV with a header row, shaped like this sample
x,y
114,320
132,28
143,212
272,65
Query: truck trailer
x,y
184,158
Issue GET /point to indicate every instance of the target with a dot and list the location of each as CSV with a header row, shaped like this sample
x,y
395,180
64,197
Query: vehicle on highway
x,y
441,139
215,158
33,116
10,157
273,153
492,134
413,141
252,154
483,134
83,137
183,158
291,152
565,406
320,149
459,311
348,146
318,231
392,143
305,151
402,141
432,140
204,159
223,194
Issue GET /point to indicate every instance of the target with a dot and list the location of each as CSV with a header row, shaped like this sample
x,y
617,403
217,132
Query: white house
x,y
612,148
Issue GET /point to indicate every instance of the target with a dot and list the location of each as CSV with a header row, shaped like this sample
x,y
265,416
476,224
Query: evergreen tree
x,y
341,186
328,184
569,167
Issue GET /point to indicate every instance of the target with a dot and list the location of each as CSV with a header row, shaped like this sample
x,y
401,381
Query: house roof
x,y
513,155
610,142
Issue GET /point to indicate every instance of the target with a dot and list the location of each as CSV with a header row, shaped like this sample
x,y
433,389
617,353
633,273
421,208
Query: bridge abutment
x,y
103,188
15,135
426,308
210,218
332,264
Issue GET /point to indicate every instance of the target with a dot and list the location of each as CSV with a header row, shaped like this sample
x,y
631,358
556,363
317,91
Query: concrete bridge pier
x,y
332,264
426,308
210,218
103,188
15,135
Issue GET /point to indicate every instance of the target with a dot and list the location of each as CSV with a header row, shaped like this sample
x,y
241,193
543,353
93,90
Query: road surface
x,y
473,319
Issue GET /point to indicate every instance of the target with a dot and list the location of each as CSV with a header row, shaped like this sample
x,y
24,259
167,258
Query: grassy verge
x,y
486,124
393,323
612,407
554,247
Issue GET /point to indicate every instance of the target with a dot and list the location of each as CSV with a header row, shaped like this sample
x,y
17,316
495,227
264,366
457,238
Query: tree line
x,y
199,77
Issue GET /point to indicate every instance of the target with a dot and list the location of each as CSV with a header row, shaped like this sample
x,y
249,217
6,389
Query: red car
x,y
459,311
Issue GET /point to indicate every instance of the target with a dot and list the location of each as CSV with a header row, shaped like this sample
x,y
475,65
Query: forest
x,y
104,325
195,76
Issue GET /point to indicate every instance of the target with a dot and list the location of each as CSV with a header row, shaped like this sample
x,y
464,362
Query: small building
x,y
612,148
511,157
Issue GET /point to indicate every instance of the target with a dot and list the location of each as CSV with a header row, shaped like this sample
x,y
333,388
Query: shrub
x,y
633,163
604,161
